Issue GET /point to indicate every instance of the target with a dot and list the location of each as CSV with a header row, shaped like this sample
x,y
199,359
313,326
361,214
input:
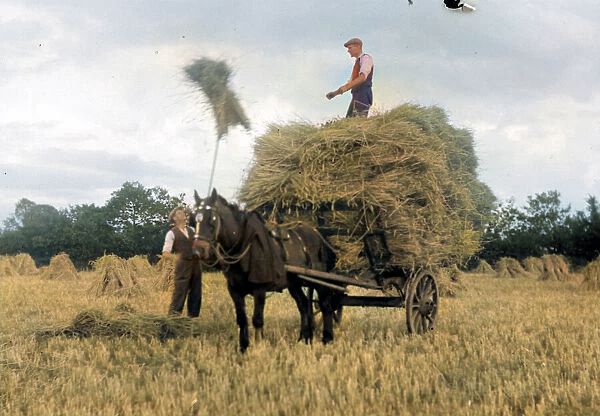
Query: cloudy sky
x,y
92,93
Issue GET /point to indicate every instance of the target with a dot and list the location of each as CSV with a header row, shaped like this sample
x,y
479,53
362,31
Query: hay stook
x,y
60,267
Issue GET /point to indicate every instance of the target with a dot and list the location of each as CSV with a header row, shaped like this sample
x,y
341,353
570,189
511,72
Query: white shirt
x,y
170,239
366,64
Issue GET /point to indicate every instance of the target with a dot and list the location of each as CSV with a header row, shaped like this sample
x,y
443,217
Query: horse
x,y
252,258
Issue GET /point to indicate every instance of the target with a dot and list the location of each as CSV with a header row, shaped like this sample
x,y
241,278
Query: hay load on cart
x,y
406,173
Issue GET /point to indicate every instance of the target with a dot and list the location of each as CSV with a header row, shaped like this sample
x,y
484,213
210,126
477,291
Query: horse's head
x,y
217,223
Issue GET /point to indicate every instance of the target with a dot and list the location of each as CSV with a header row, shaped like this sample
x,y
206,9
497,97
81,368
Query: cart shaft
x,y
377,301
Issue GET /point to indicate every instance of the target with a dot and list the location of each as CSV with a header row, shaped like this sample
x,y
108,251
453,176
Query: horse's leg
x,y
311,309
242,320
258,321
306,326
327,309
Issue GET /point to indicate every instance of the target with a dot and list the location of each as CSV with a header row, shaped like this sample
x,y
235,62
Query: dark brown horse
x,y
252,258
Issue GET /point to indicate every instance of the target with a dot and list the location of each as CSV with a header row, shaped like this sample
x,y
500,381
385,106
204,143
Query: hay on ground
x,y
114,276
509,267
407,172
591,275
555,268
164,277
60,267
124,321
533,265
484,268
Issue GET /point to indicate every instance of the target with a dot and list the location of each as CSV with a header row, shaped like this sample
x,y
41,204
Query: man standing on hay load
x,y
188,269
360,82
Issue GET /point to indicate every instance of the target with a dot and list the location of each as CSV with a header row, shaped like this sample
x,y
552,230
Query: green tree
x,y
37,229
90,236
583,242
503,231
545,219
139,218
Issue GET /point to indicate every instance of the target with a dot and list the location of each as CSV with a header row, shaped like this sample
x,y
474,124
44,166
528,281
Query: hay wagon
x,y
415,290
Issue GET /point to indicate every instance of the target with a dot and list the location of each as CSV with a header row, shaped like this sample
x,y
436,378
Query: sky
x,y
93,93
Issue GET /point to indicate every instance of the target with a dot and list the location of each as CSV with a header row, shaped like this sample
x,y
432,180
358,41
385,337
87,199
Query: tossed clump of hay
x,y
164,276
509,267
555,268
114,276
406,172
483,267
591,275
212,78
60,267
124,321
533,265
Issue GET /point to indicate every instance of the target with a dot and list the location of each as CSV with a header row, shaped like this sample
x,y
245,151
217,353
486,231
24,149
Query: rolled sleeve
x,y
169,240
366,65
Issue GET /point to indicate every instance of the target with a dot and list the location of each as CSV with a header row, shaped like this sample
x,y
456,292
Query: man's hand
x,y
332,94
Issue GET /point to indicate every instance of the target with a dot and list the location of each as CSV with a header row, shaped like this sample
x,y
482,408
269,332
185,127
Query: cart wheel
x,y
421,303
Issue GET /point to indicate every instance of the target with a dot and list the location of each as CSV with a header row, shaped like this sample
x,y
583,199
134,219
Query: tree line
x,y
135,219
543,226
133,222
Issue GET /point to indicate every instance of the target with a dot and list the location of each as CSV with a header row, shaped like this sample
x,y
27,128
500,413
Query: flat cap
x,y
353,41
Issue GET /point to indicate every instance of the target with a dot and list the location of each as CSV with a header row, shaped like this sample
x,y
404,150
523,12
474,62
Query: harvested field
x,y
86,355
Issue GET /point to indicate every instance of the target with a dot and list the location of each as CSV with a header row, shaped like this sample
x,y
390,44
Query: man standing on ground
x,y
360,82
188,270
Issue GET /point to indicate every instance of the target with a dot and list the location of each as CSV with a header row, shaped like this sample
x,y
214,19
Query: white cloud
x,y
104,99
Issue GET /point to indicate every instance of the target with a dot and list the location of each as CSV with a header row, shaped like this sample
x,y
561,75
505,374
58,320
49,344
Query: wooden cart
x,y
413,289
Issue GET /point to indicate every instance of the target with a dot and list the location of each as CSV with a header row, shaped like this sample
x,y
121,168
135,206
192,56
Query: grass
x,y
500,347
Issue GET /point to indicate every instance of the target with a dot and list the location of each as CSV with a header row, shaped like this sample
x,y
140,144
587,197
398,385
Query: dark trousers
x,y
362,99
188,283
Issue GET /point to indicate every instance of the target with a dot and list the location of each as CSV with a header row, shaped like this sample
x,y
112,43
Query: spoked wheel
x,y
421,303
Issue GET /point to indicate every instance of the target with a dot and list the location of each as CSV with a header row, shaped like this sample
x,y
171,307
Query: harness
x,y
223,256
229,257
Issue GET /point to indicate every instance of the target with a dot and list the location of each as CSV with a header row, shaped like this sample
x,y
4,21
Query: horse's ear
x,y
214,194
197,198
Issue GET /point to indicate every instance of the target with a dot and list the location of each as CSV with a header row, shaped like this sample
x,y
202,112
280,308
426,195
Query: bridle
x,y
223,256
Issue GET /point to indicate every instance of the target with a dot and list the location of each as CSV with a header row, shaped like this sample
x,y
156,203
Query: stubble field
x,y
500,347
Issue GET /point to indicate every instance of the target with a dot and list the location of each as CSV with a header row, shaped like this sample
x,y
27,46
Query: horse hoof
x,y
306,338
